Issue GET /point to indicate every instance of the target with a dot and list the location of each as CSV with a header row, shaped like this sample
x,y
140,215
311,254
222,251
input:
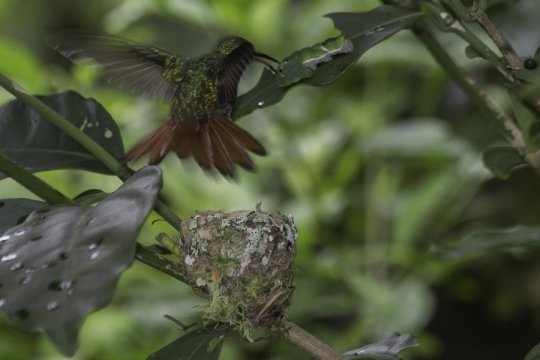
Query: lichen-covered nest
x,y
242,262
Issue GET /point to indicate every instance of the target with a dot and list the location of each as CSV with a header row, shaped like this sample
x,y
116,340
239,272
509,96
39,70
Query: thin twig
x,y
301,338
479,15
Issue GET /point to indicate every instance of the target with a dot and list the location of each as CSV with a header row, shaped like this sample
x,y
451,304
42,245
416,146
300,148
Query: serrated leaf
x,y
64,262
533,354
365,30
501,160
483,241
386,349
199,344
33,142
14,211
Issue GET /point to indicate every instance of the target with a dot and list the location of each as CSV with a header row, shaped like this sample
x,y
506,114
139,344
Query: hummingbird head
x,y
235,46
229,44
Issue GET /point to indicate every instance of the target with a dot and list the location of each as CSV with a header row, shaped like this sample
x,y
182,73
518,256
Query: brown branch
x,y
301,338
478,15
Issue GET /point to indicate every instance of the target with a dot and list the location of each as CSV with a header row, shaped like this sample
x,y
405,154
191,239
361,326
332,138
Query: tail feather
x,y
222,159
236,152
201,147
157,145
217,144
241,136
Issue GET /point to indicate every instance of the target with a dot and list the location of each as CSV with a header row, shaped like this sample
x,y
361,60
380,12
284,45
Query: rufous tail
x,y
216,144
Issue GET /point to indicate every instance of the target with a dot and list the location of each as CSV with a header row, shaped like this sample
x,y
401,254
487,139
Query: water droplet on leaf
x,y
93,246
16,266
25,280
94,255
8,257
108,134
53,305
19,232
260,104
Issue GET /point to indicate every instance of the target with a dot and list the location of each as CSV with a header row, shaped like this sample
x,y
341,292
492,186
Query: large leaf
x,y
33,142
64,262
14,211
200,344
386,349
483,241
365,30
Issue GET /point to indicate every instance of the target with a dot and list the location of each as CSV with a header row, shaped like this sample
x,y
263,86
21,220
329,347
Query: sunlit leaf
x,y
14,211
64,262
200,344
365,30
33,142
483,241
386,349
501,160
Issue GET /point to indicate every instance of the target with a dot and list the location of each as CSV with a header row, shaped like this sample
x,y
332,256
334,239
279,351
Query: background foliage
x,y
381,171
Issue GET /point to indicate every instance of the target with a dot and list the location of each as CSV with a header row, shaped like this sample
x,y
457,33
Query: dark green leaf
x,y
33,142
483,241
64,262
534,354
14,211
200,344
365,30
501,160
386,349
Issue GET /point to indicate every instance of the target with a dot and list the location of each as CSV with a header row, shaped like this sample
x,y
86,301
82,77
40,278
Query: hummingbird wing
x,y
233,67
143,69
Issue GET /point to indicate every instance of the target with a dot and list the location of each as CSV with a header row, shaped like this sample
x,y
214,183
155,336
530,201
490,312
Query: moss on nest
x,y
243,262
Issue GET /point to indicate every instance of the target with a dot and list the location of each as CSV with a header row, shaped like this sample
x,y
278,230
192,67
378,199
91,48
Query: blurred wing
x,y
145,70
233,67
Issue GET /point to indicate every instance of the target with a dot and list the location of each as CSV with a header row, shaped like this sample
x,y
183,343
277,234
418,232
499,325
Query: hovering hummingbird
x,y
202,91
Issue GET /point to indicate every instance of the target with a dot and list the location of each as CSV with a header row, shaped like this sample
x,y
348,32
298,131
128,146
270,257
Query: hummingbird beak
x,y
263,59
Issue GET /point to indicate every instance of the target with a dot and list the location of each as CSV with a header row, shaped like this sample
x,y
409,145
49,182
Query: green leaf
x,y
365,30
534,354
531,75
64,262
14,211
501,160
386,349
525,117
200,344
483,241
33,142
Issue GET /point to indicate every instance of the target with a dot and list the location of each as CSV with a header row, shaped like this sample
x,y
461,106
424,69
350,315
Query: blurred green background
x,y
379,170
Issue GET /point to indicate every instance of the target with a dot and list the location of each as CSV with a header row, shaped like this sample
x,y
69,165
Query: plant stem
x,y
478,96
509,54
84,140
301,338
32,182
148,256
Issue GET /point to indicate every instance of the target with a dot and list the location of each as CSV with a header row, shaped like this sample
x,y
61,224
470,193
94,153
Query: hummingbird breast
x,y
196,99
